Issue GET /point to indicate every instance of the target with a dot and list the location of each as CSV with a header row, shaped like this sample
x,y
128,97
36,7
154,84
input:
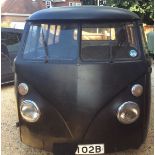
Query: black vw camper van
x,y
83,81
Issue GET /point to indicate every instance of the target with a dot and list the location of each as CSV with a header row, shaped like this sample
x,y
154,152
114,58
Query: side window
x,y
10,43
3,37
127,46
34,48
101,42
4,49
14,41
130,35
144,43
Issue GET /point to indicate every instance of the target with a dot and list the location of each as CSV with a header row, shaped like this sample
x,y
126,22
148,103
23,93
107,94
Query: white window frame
x,y
74,4
104,2
48,4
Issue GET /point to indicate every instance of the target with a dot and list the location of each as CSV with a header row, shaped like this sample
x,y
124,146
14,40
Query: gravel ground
x,y
10,141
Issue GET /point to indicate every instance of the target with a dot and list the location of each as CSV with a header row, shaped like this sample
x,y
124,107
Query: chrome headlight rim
x,y
122,109
23,103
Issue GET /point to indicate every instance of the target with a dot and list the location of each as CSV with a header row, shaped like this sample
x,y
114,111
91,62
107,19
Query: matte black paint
x,y
79,100
83,13
78,103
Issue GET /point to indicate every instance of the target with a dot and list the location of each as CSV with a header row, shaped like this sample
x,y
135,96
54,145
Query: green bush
x,y
144,8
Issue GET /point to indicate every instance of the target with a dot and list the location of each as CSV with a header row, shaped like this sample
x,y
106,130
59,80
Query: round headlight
x,y
137,90
29,111
23,89
128,112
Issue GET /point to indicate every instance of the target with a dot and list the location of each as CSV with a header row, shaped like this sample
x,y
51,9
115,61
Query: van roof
x,y
82,13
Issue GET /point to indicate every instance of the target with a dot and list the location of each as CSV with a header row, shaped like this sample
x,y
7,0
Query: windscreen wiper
x,y
45,46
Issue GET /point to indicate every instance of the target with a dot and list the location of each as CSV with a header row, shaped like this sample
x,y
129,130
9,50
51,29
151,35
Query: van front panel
x,y
79,87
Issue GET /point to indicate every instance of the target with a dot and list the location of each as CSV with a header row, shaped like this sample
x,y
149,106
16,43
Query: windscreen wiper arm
x,y
45,47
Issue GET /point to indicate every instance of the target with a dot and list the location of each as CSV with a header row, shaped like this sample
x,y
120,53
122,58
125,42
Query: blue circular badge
x,y
133,53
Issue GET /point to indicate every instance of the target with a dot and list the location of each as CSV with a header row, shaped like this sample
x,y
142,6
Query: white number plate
x,y
90,149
